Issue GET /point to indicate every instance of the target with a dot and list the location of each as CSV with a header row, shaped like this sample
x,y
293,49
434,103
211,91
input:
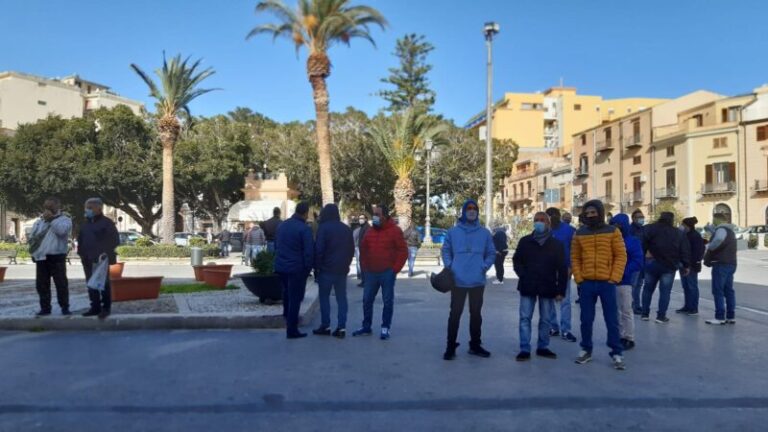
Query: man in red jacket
x,y
382,255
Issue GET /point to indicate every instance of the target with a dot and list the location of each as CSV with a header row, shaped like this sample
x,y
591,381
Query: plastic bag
x,y
98,279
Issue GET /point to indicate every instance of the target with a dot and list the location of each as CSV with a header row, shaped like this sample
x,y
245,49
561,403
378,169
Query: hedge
x,y
22,250
164,251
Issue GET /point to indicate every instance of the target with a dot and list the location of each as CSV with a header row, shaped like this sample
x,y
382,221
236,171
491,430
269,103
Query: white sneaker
x,y
497,282
618,362
384,333
715,322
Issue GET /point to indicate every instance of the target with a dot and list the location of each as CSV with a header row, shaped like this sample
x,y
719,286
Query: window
x,y
528,106
577,107
584,189
42,103
730,114
720,173
529,188
583,163
762,133
721,142
670,151
562,193
584,139
610,110
607,134
671,178
699,120
636,128
637,160
609,189
514,191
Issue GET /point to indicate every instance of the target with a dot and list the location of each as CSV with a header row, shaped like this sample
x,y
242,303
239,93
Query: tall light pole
x,y
427,225
490,29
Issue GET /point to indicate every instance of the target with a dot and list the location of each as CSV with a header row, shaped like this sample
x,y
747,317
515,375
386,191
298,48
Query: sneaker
x,y
554,333
682,310
730,321
716,322
627,344
104,314
479,351
692,313
450,351
618,362
362,332
340,333
66,312
497,282
43,313
91,313
384,333
584,357
662,320
645,317
546,353
568,336
322,331
297,335
523,356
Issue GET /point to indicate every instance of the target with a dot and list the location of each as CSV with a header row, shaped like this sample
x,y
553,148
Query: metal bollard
x,y
197,256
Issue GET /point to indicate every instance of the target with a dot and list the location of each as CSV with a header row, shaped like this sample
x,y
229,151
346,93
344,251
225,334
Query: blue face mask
x,y
539,227
641,221
376,221
89,214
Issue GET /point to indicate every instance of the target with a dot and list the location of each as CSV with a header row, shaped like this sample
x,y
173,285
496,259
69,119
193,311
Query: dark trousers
x,y
100,300
458,298
54,266
294,286
499,265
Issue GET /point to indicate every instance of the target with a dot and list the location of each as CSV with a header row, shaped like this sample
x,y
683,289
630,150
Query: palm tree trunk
x,y
320,95
403,192
167,221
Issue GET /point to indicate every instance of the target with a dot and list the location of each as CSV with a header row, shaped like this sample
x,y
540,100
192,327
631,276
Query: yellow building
x,y
755,132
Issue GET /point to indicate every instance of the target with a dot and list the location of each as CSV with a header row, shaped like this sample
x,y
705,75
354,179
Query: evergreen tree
x,y
410,78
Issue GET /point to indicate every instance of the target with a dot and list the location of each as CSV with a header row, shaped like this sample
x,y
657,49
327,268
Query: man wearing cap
x,y
294,262
721,255
690,281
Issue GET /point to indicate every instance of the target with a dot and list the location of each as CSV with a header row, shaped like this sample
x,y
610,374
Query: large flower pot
x,y
2,273
199,269
216,277
116,270
136,288
267,288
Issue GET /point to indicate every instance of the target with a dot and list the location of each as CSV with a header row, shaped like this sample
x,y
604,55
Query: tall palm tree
x,y
400,138
179,80
318,25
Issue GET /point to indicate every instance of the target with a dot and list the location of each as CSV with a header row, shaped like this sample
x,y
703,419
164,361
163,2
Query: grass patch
x,y
191,288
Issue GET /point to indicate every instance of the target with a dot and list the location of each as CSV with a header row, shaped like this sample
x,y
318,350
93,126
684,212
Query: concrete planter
x,y
2,273
136,288
199,270
116,270
216,277
267,288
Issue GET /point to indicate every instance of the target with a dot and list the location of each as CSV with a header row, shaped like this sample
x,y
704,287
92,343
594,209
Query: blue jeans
x,y
357,262
271,246
225,248
338,283
412,251
722,291
590,292
373,281
656,273
294,286
546,309
690,291
565,312
637,288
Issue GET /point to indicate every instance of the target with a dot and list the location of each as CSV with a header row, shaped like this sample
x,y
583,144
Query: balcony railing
x,y
718,188
582,171
634,197
520,198
579,200
760,186
633,141
666,193
604,145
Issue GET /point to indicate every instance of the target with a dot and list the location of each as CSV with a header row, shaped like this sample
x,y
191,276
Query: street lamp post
x,y
427,224
490,29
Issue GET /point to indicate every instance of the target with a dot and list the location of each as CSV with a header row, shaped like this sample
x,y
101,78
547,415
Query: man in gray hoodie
x,y
48,246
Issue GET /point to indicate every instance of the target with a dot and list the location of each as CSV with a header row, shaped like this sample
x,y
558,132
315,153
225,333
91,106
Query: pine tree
x,y
410,78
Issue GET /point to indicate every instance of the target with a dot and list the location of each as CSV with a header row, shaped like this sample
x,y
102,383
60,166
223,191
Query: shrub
x,y
144,242
163,251
22,250
752,242
264,263
197,242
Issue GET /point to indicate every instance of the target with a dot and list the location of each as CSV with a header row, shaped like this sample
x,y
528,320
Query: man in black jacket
x,y
539,262
270,227
98,235
691,280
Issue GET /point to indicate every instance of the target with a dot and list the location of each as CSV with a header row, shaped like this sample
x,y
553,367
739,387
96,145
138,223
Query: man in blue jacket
x,y
334,249
631,273
294,261
468,251
98,235
564,234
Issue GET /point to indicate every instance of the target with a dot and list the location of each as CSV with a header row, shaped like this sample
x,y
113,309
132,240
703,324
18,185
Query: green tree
x,y
179,82
411,85
318,25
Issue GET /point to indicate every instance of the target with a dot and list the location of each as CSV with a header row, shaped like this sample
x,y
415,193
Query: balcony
x,y
633,197
604,145
718,188
669,192
606,199
520,198
582,171
633,141
760,186
579,200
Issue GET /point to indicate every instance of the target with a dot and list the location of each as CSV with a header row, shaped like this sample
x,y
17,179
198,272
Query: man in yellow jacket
x,y
598,258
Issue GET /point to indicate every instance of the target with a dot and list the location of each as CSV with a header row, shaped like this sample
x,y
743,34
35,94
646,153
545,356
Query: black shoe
x,y
692,312
662,319
554,333
523,356
644,317
450,351
66,312
546,353
568,336
297,335
637,312
479,351
360,285
682,310
91,313
627,344
104,314
321,331
43,313
340,333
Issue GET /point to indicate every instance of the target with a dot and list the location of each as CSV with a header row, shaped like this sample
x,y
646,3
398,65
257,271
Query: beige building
x,y
755,133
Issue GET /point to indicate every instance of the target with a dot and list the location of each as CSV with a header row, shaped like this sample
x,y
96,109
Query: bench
x,y
428,253
10,254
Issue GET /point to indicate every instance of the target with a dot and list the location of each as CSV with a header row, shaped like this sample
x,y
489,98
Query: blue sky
x,y
616,49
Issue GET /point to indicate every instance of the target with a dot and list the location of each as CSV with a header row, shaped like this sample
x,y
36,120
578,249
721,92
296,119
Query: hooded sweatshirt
x,y
564,233
633,246
598,252
383,248
334,247
468,251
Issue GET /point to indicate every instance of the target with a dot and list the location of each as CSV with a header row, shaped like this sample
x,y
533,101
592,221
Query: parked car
x,y
438,234
758,229
128,238
236,242
182,238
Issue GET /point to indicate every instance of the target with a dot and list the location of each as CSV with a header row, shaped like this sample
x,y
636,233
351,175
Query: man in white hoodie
x,y
48,245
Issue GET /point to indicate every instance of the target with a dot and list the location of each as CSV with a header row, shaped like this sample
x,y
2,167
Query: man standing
x,y
567,218
270,228
691,280
667,251
721,256
224,237
598,258
382,254
293,263
540,263
48,247
253,242
333,255
413,241
564,234
98,235
358,234
636,231
468,251
631,271
501,244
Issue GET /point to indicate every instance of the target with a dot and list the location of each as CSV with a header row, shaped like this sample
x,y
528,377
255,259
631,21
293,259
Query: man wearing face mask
x,y
357,235
636,231
598,258
382,254
540,263
564,234
48,248
691,280
98,235
469,252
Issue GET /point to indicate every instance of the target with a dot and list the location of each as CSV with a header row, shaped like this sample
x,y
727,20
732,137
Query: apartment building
x,y
755,160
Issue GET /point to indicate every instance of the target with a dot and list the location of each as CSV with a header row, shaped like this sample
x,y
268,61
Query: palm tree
x,y
318,25
400,138
178,87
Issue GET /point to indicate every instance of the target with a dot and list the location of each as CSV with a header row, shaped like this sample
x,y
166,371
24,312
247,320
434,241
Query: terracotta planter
x,y
199,269
2,273
216,277
136,288
116,270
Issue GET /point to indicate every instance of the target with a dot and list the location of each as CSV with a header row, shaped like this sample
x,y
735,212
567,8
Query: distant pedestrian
x,y
721,256
358,235
563,233
540,263
254,242
293,263
413,241
334,250
270,228
598,258
98,235
691,280
667,251
48,246
631,273
636,230
224,237
501,244
382,254
468,251
567,218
